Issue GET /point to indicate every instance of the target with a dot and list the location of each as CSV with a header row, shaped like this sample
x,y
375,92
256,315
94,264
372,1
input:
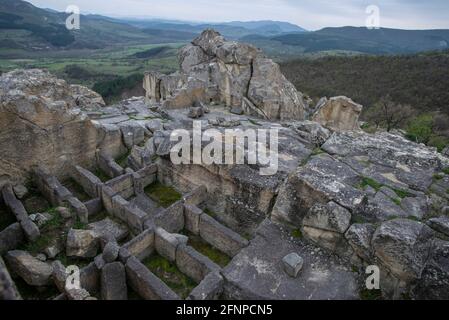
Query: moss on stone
x,y
371,183
206,249
165,196
297,234
402,194
366,294
169,273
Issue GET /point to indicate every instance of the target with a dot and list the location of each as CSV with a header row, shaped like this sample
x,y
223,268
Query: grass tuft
x,y
366,294
170,274
297,234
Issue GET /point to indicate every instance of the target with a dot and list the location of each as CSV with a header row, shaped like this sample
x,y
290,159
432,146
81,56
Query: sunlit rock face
x,y
236,74
41,123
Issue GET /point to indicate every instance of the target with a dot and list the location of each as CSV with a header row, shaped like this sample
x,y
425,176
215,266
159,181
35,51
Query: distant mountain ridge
x,y
24,26
363,40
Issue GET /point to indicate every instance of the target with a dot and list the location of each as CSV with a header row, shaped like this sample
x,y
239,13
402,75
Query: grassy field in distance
x,y
101,64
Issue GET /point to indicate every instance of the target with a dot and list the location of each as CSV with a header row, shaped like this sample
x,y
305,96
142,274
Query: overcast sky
x,y
310,14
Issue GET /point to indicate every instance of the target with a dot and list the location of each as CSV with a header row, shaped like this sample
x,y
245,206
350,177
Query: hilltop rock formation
x,y
236,74
41,123
340,197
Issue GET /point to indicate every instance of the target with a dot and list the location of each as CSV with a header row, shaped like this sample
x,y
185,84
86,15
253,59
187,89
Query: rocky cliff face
x,y
357,199
41,123
238,75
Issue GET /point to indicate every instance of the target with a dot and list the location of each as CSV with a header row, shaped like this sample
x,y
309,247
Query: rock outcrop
x,y
41,123
236,74
338,114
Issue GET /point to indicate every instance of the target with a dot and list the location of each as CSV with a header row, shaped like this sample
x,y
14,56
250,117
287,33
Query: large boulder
x,y
272,93
82,243
41,123
30,269
403,246
87,99
338,114
434,282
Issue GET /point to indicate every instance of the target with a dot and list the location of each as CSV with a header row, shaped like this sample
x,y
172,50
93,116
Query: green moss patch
x,y
371,183
52,230
170,275
402,194
206,249
366,294
165,196
297,234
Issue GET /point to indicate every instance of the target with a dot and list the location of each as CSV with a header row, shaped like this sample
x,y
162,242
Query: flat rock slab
x,y
257,271
108,227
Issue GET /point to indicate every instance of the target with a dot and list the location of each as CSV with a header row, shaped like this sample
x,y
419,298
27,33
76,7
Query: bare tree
x,y
388,114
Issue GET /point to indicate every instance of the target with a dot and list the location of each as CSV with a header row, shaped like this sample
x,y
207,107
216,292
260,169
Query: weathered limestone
x,y
338,114
29,228
110,252
113,282
192,216
210,288
11,238
166,244
90,278
403,246
8,290
108,228
440,224
221,237
33,271
122,185
213,69
87,99
359,237
82,243
172,218
58,134
141,246
194,264
87,180
59,275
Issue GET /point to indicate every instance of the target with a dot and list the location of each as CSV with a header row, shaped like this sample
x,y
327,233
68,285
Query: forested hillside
x,y
421,80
